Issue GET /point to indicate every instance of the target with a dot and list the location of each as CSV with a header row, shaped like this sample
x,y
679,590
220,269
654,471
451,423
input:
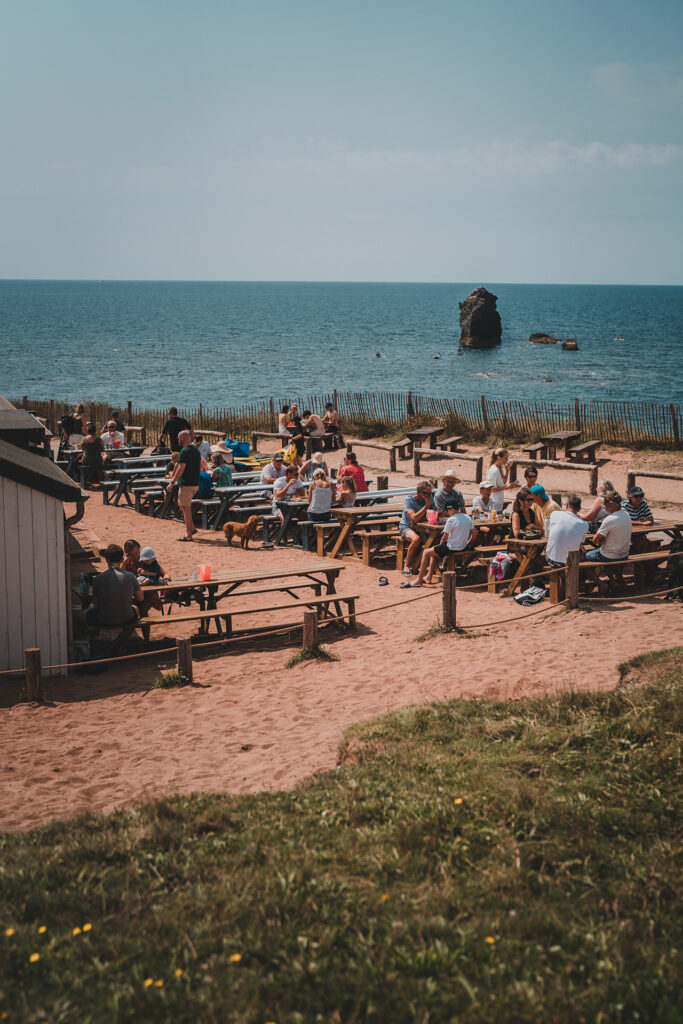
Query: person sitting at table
x,y
186,476
321,494
613,539
112,438
221,472
113,593
497,477
448,499
170,466
309,467
482,504
637,507
223,449
543,505
286,488
204,447
414,511
566,531
597,511
313,424
149,571
131,563
172,429
350,467
331,421
459,532
523,516
93,449
282,421
530,476
115,415
205,490
274,471
346,495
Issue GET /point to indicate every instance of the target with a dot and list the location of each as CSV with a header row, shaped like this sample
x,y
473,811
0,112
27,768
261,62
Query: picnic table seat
x,y
448,444
535,451
223,617
375,540
644,565
585,452
404,447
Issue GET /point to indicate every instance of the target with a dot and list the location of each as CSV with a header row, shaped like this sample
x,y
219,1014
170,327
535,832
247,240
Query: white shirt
x,y
566,532
111,439
204,450
494,478
616,529
483,506
272,471
458,529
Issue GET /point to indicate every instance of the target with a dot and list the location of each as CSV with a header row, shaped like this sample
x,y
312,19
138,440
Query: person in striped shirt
x,y
637,507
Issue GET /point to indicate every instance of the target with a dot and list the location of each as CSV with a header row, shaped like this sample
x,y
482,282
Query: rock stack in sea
x,y
480,325
570,345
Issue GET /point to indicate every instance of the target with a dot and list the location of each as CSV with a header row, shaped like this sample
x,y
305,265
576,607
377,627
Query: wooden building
x,y
35,605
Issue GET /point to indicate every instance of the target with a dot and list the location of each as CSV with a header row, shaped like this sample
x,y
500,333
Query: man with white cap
x,y
275,470
482,503
309,467
448,499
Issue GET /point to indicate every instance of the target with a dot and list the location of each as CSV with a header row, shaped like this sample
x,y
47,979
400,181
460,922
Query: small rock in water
x,y
570,345
543,339
547,380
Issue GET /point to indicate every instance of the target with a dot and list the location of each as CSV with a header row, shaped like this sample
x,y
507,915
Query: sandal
x,y
383,581
407,572
409,586
187,540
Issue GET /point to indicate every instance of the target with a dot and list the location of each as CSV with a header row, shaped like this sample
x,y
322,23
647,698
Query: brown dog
x,y
245,531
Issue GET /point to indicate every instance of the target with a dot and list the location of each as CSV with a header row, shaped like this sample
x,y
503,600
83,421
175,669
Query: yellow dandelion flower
x,y
178,972
42,929
34,958
76,931
158,983
148,982
458,800
9,932
490,939
87,927
385,897
4,1015
235,958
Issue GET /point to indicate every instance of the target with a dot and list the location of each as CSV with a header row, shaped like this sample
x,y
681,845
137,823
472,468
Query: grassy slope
x,y
471,861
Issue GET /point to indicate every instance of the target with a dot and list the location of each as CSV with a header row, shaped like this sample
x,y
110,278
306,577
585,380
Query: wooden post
x,y
382,483
577,414
310,630
34,686
630,479
52,421
349,448
271,410
334,398
410,411
184,651
24,402
200,414
572,578
513,472
416,463
253,444
449,597
129,413
143,436
479,472
593,480
392,459
674,424
484,414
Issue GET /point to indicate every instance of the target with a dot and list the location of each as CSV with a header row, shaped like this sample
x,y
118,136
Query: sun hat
x,y
539,489
317,457
452,475
485,485
147,554
222,449
636,492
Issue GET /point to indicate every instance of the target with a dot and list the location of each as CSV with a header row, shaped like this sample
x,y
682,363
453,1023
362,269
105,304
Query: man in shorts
x,y
186,475
458,532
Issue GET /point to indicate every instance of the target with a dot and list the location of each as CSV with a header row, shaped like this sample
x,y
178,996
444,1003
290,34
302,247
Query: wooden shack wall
x,y
33,607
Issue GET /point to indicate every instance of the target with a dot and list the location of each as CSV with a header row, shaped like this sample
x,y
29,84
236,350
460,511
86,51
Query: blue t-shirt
x,y
205,485
412,504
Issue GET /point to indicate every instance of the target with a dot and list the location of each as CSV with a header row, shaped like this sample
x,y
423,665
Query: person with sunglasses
x,y
523,515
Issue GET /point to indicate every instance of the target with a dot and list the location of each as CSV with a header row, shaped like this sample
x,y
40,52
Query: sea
x,y
157,343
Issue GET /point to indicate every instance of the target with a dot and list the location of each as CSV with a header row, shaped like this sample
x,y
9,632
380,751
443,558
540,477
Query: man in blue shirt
x,y
414,511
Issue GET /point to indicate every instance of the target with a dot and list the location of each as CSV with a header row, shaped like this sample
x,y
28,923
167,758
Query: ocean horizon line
x,y
295,281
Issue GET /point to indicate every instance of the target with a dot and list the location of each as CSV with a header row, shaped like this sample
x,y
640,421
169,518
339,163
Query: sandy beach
x,y
103,742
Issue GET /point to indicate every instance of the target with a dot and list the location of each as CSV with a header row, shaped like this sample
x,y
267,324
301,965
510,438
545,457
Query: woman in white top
x,y
282,421
597,512
321,494
497,477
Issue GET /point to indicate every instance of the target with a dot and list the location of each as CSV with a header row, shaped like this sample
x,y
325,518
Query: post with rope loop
x,y
572,579
449,597
184,652
34,684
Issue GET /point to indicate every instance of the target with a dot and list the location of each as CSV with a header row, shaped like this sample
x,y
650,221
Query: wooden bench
x,y
585,452
223,617
448,444
392,449
537,450
404,447
107,486
374,541
478,460
644,566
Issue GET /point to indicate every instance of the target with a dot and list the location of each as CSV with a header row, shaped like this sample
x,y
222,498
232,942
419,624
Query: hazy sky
x,y
439,140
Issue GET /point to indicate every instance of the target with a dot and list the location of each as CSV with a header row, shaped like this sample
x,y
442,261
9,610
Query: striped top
x,y
638,515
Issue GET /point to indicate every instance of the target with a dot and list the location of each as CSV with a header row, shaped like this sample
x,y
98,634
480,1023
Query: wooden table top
x,y
303,569
365,510
425,432
561,435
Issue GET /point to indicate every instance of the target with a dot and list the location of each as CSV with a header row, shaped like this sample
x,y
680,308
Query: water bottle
x,y
195,574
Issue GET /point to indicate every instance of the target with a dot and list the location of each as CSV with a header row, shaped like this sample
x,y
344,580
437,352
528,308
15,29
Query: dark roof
x,y
4,404
37,472
19,419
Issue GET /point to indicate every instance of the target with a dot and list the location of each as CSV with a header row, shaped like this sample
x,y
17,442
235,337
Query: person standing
x,y
186,475
173,427
93,447
497,477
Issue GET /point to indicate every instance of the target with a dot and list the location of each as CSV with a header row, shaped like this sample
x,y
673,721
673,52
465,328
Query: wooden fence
x,y
385,414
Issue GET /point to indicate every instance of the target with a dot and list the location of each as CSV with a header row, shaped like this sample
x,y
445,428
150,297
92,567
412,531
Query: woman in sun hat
x,y
309,467
222,449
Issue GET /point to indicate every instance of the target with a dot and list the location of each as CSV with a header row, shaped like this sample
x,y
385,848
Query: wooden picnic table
x,y
561,437
125,478
349,519
429,533
424,437
291,510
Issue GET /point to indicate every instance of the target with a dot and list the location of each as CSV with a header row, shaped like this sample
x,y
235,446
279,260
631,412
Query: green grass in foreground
x,y
471,861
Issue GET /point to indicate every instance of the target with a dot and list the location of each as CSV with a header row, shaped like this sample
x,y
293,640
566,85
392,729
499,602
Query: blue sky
x,y
530,141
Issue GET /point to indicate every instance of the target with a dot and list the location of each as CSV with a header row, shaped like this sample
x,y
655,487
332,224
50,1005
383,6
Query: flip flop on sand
x,y
186,539
409,586
407,572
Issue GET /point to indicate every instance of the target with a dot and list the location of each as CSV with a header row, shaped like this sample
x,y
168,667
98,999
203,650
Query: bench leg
x,y
352,613
400,553
366,549
227,624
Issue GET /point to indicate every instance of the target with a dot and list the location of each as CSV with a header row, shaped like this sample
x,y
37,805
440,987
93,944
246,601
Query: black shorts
x,y
442,550
93,619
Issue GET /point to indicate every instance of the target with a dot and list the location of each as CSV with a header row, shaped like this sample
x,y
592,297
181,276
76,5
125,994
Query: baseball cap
x,y
636,492
539,489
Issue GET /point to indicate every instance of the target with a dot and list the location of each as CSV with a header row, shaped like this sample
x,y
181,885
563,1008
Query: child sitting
x,y
149,570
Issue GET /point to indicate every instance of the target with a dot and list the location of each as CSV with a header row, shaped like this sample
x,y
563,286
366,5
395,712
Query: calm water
x,y
222,343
